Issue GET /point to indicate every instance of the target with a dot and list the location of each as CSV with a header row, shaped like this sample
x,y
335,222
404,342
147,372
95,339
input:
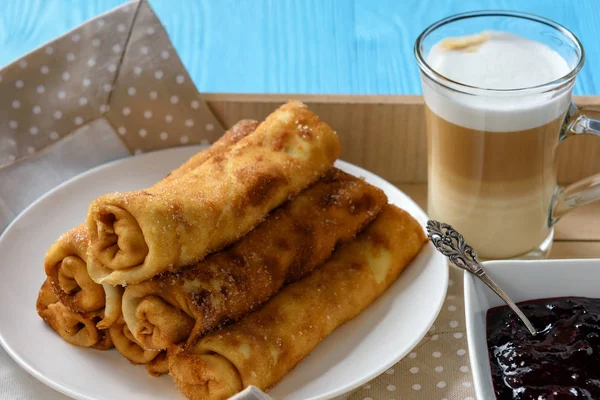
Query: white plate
x,y
351,356
521,280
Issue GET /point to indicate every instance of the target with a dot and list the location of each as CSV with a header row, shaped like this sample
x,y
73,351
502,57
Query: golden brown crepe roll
x,y
126,345
266,344
66,268
67,273
236,133
78,329
112,306
66,261
105,342
137,235
159,365
293,240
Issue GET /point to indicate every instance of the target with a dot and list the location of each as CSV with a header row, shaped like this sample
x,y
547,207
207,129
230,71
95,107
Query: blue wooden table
x,y
296,46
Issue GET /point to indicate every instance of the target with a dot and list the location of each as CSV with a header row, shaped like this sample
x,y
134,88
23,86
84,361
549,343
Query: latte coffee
x,y
492,157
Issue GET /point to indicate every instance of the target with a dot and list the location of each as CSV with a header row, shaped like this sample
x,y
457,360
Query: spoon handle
x,y
496,289
453,245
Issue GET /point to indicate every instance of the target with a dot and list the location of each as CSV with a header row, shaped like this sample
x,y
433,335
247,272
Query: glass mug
x,y
492,152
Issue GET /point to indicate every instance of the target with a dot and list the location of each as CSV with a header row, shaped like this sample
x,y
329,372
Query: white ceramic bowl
x,y
521,280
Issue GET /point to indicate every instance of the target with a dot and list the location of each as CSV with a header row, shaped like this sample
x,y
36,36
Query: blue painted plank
x,y
296,46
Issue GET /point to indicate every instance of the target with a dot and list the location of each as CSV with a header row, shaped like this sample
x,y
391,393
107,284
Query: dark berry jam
x,y
561,362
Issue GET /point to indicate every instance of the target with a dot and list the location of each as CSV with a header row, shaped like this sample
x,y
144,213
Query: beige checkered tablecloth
x,y
438,368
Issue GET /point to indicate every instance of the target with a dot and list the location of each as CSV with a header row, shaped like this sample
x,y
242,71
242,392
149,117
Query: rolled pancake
x,y
265,345
112,306
78,329
126,345
233,135
137,235
159,365
293,240
68,277
66,261
66,267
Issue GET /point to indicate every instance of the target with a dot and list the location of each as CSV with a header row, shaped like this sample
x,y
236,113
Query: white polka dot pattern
x,y
53,91
438,367
69,83
153,97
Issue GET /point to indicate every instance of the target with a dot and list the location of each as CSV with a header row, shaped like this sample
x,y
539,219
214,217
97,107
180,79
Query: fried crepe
x,y
66,261
135,236
159,365
126,345
293,240
265,345
66,267
78,329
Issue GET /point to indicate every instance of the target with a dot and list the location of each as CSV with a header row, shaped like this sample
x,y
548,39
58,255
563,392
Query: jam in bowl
x,y
562,361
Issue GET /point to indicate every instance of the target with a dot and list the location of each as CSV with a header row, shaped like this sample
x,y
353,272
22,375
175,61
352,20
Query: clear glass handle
x,y
579,121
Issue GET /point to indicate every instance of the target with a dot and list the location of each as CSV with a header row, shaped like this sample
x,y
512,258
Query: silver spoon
x,y
451,244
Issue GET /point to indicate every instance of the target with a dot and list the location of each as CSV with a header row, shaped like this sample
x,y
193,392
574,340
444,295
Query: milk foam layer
x,y
501,61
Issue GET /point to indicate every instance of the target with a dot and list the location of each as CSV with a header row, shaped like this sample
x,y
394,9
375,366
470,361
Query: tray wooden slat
x,y
564,250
